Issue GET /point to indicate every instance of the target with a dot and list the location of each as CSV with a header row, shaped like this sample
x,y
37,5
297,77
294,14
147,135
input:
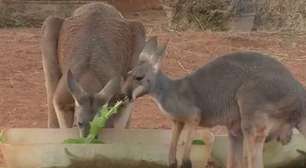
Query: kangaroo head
x,y
141,79
87,105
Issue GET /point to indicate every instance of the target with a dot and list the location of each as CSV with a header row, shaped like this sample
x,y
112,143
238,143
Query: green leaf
x,y
301,152
2,138
75,141
198,142
82,141
96,125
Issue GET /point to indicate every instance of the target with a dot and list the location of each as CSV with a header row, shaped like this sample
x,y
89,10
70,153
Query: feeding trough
x,y
275,154
44,148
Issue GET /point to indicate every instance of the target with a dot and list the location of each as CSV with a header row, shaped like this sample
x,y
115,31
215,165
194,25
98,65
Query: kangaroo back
x,y
97,41
104,9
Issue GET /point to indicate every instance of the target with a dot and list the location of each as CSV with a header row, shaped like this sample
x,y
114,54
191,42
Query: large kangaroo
x,y
85,57
253,95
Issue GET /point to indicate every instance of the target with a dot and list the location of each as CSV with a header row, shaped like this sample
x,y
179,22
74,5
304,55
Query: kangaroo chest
x,y
175,108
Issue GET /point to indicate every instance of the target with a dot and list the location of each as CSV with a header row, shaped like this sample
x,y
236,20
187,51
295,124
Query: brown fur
x,y
96,44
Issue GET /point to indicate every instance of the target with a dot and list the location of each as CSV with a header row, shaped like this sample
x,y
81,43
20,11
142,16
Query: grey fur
x,y
253,95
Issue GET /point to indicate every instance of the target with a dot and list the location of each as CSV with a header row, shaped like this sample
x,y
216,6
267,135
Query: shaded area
x,y
103,162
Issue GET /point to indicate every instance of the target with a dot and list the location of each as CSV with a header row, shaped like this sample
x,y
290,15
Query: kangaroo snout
x,y
132,90
83,129
84,126
127,88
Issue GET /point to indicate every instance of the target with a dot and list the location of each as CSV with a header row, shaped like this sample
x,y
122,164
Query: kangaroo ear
x,y
151,45
161,51
139,39
74,88
149,50
152,52
158,55
112,87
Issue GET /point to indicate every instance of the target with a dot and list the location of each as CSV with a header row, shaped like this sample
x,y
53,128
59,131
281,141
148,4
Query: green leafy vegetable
x,y
301,152
82,141
198,142
96,125
2,138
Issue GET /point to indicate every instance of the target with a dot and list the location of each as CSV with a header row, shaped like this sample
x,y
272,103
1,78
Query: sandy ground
x,y
22,92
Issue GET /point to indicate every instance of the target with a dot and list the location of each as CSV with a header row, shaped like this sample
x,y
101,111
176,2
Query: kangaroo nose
x,y
84,131
80,124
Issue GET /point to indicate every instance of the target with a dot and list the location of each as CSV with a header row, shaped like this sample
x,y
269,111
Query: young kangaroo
x,y
253,95
85,58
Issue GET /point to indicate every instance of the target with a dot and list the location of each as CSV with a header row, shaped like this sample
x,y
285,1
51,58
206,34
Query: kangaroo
x,y
254,96
85,58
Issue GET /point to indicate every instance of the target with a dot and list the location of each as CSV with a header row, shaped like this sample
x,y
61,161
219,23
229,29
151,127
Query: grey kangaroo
x,y
253,95
85,58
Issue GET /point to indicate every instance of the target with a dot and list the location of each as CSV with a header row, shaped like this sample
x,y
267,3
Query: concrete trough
x,y
44,148
135,148
275,154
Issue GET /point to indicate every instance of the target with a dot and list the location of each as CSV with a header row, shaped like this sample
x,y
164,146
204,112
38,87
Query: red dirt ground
x,y
22,92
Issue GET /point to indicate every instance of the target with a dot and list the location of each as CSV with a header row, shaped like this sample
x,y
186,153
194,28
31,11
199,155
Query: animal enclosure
x,y
23,97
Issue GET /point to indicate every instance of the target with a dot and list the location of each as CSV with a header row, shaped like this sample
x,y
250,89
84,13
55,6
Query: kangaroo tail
x,y
49,45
